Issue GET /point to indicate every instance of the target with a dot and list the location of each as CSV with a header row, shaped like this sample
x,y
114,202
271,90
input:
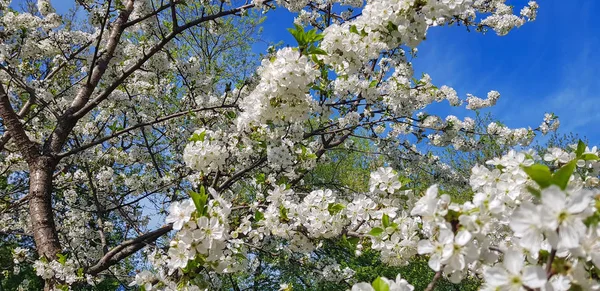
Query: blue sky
x,y
549,65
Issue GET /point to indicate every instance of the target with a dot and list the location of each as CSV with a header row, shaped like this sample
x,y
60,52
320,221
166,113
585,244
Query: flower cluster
x,y
281,95
516,226
207,151
65,271
523,225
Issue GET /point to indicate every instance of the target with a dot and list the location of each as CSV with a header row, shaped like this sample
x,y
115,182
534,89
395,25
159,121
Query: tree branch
x,y
154,13
15,128
67,121
155,49
431,284
241,173
139,125
126,249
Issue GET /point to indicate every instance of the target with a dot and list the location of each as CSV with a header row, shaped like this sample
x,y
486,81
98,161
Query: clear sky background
x,y
549,65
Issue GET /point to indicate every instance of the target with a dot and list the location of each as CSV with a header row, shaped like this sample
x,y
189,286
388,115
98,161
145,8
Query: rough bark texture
x,y
40,207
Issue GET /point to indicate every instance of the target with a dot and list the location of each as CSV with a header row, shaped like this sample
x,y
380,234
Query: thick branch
x,y
126,249
15,128
99,69
67,121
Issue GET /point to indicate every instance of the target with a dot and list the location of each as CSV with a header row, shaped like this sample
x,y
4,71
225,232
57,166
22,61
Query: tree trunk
x,y
40,207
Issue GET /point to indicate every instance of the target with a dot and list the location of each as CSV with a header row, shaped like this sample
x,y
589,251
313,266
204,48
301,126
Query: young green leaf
x,y
380,285
562,175
62,259
385,220
200,200
376,231
589,157
540,174
258,216
283,213
198,136
335,208
316,51
580,148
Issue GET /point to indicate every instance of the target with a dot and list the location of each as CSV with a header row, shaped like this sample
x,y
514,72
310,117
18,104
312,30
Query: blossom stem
x,y
431,284
549,263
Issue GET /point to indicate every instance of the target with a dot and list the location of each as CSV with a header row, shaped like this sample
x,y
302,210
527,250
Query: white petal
x,y
553,198
496,276
434,262
362,287
569,235
463,237
532,240
534,276
178,224
424,247
457,262
579,201
432,191
524,217
446,236
513,261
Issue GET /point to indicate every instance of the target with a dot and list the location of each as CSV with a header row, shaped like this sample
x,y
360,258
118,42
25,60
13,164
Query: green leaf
x,y
540,174
311,35
354,241
376,231
373,84
316,51
200,200
283,213
592,220
258,216
115,126
198,136
380,285
391,26
335,208
261,178
350,242
580,148
231,114
62,259
589,157
299,34
562,175
353,29
385,220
